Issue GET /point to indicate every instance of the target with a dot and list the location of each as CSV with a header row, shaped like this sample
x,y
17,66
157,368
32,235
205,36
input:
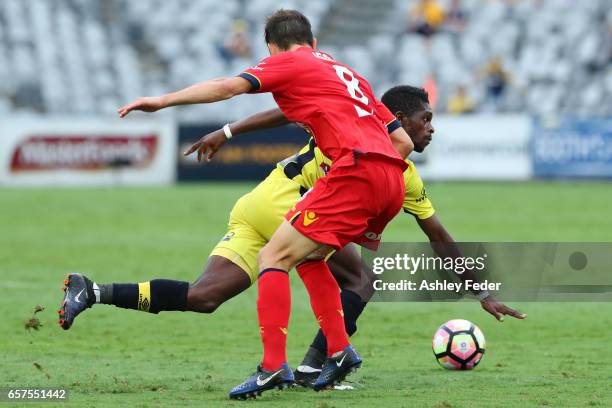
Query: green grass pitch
x,y
559,357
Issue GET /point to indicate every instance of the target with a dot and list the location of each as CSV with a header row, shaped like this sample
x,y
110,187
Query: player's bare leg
x,y
221,280
351,272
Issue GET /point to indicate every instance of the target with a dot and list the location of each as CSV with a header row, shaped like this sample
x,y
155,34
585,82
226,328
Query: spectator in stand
x,y
456,18
460,102
237,44
496,80
426,17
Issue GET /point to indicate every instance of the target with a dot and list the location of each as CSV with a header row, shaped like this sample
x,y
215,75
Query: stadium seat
x,y
107,52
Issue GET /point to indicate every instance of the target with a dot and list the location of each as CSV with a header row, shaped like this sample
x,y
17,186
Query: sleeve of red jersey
x,y
387,117
271,74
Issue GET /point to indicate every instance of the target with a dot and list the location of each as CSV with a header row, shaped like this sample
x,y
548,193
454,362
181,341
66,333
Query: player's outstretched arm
x,y
204,92
210,143
259,121
444,245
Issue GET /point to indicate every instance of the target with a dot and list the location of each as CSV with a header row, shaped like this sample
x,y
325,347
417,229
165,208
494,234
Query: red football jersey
x,y
334,102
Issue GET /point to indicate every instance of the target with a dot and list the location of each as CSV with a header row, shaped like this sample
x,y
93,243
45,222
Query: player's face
x,y
419,127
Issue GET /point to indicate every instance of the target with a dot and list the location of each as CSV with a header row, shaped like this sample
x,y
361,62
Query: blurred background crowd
x,y
91,56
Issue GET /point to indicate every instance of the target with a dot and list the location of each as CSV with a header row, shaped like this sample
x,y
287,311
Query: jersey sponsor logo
x,y
309,217
423,196
228,236
373,236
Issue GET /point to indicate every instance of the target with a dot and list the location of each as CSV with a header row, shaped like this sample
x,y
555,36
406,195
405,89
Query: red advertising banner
x,y
53,152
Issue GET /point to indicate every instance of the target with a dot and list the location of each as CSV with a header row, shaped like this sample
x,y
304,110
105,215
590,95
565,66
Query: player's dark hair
x,y
285,28
405,98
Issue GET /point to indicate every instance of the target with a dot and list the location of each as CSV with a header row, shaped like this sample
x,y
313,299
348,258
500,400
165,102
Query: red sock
x,y
273,309
325,301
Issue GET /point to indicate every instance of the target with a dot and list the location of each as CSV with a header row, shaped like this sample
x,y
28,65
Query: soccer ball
x,y
458,345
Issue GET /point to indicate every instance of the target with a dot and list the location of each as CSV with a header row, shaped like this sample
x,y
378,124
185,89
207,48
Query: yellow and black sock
x,y
153,296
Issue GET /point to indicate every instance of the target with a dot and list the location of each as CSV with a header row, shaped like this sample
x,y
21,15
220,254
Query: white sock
x,y
96,289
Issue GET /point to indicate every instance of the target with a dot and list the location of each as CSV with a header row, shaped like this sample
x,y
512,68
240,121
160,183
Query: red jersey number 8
x,y
352,86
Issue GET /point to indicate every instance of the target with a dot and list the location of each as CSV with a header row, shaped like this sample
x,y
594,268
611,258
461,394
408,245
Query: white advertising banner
x,y
478,147
39,151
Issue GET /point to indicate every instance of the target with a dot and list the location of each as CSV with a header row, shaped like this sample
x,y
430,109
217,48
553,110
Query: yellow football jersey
x,y
416,201
306,166
257,214
309,165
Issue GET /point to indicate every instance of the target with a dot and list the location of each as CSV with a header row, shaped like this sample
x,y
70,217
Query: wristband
x,y
483,295
227,131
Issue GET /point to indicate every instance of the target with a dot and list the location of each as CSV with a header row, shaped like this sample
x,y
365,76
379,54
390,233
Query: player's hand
x,y
145,104
498,309
209,143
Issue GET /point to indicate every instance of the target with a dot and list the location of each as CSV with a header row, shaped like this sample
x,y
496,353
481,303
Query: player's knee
x,y
263,257
208,306
273,258
202,300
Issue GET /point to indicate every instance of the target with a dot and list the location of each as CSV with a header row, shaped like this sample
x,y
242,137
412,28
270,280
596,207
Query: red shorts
x,y
351,204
